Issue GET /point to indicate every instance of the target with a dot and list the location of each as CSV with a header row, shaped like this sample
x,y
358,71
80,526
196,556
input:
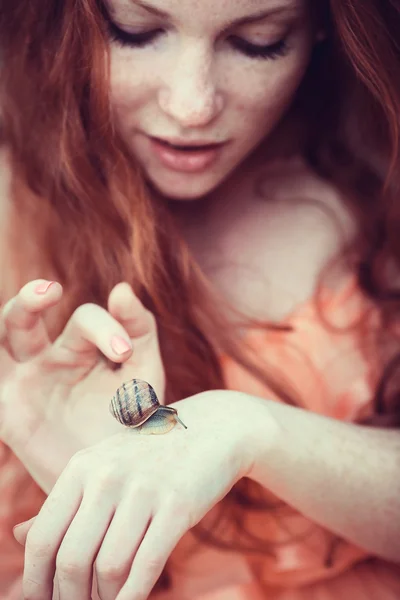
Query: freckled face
x,y
204,71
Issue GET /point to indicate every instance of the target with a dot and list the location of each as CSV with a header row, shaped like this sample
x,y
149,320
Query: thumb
x,y
21,531
124,306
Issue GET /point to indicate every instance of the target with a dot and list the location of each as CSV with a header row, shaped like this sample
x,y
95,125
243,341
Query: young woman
x,y
204,196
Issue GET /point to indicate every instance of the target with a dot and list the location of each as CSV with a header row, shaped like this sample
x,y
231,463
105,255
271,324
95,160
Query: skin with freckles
x,y
201,71
194,81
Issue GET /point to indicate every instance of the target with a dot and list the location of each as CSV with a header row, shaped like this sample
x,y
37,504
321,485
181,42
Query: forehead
x,y
221,12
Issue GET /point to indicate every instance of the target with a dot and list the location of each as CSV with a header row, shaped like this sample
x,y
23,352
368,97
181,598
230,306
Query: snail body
x,y
135,405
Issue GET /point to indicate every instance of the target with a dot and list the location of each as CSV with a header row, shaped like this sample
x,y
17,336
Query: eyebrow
x,y
241,21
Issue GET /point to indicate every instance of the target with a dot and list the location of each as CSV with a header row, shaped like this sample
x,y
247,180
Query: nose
x,y
189,93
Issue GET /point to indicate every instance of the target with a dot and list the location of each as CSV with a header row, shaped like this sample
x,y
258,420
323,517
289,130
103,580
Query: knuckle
x,y
87,463
178,509
141,489
176,504
80,314
70,568
110,571
106,481
22,299
154,564
78,461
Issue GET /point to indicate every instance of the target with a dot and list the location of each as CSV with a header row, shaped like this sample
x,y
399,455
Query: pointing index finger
x,y
125,306
90,329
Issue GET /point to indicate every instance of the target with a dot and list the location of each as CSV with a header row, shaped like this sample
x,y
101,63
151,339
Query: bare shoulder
x,y
271,239
293,191
301,224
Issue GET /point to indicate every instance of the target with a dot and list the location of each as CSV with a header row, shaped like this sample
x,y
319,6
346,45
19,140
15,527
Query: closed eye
x,y
269,51
132,39
138,40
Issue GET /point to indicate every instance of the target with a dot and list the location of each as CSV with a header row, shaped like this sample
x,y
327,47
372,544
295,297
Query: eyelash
x,y
139,40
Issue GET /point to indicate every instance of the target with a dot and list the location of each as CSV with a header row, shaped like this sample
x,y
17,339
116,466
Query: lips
x,y
188,148
185,159
192,147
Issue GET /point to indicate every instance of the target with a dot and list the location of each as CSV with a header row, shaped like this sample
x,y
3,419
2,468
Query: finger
x,y
21,530
141,326
81,544
90,329
45,538
126,531
22,329
126,307
161,538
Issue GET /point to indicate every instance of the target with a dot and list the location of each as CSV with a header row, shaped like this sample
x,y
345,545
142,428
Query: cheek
x,y
127,83
272,92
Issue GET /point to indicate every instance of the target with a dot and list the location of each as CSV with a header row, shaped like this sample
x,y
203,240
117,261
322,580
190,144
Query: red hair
x,y
79,191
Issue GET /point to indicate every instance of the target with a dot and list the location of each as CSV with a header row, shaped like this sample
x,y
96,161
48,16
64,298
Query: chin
x,y
186,190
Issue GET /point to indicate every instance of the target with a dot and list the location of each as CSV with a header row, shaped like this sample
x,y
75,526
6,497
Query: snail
x,y
135,404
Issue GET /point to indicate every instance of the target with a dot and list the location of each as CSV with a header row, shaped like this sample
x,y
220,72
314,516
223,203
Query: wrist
x,y
252,428
262,432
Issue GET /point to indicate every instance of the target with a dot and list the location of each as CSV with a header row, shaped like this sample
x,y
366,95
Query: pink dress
x,y
335,374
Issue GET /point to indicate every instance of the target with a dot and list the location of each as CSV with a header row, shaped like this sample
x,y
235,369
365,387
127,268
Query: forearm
x,y
343,476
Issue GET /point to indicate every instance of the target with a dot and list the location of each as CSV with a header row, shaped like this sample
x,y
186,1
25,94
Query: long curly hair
x,y
78,190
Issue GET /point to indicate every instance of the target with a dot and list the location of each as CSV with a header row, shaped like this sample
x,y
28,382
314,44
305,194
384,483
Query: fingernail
x,y
120,345
19,525
43,287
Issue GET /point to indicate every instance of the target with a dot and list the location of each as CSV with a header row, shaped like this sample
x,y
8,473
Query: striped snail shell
x,y
135,404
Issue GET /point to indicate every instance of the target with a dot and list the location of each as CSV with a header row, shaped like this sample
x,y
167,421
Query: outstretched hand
x,y
120,507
